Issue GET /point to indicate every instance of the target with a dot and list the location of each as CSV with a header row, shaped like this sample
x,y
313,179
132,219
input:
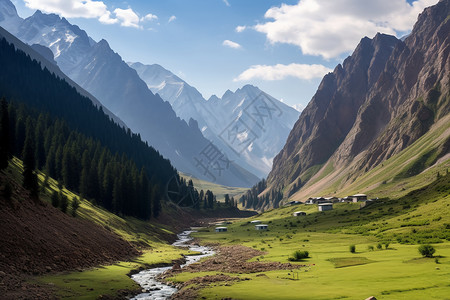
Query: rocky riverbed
x,y
148,279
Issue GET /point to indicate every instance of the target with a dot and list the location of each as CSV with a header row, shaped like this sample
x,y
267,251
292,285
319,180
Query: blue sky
x,y
284,47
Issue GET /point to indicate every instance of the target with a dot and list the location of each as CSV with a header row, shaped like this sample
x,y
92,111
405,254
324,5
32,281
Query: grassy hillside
x,y
386,263
149,237
414,167
218,189
141,233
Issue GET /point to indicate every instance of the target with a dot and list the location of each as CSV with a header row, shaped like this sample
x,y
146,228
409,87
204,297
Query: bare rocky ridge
x,y
331,113
384,97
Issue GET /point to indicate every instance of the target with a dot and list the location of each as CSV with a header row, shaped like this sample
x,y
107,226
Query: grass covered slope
x,y
38,239
386,262
414,167
218,189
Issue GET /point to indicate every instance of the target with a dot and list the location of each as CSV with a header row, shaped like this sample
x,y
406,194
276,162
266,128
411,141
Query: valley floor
x,y
249,264
331,272
386,262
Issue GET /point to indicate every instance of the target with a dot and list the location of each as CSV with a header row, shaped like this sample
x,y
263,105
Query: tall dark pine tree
x,y
156,201
4,135
145,194
30,181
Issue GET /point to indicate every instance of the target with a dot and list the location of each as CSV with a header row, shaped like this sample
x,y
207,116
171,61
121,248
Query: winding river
x,y
156,290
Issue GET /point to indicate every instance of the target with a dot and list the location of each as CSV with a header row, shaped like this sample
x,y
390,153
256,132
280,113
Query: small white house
x,y
221,229
299,213
325,206
359,197
261,227
255,222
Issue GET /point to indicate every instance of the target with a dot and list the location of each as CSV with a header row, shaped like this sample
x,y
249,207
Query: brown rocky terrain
x,y
228,259
36,238
384,97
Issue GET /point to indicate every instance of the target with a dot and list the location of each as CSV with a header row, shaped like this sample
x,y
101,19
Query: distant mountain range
x,y
389,99
244,106
103,73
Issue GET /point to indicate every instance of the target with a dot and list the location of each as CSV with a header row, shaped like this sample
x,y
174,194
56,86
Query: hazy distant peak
x,y
213,98
7,9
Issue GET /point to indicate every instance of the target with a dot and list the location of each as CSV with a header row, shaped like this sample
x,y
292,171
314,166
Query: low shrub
x,y
352,248
299,255
426,250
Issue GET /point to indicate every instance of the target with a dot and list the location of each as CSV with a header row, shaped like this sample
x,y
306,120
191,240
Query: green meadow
x,y
386,263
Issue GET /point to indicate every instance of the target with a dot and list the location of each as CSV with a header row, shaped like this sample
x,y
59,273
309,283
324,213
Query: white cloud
x,y
240,28
231,44
90,9
127,17
150,17
280,72
330,28
74,9
226,2
172,18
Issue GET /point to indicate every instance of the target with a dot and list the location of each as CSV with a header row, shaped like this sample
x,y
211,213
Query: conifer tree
x,y
30,181
84,179
156,201
145,195
4,135
75,205
55,199
64,203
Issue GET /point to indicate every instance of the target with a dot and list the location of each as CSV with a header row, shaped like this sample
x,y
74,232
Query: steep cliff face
x,y
381,100
331,113
411,94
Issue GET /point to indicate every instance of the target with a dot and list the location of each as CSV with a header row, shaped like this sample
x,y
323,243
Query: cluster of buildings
x,y
323,204
257,223
326,203
352,198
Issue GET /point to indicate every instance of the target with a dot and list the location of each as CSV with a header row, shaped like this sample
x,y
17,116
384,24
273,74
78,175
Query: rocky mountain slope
x,y
381,100
215,115
103,73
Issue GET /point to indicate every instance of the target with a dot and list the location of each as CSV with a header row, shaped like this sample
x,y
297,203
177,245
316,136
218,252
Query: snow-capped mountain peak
x,y
216,114
102,72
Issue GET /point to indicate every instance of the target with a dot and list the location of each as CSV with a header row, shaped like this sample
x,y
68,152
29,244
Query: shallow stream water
x,y
155,290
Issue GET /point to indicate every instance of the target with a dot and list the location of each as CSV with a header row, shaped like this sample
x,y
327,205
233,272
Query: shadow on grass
x,y
342,262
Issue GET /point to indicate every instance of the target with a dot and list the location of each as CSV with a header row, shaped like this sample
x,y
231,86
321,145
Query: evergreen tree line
x,y
230,202
23,80
81,163
184,194
251,200
59,131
